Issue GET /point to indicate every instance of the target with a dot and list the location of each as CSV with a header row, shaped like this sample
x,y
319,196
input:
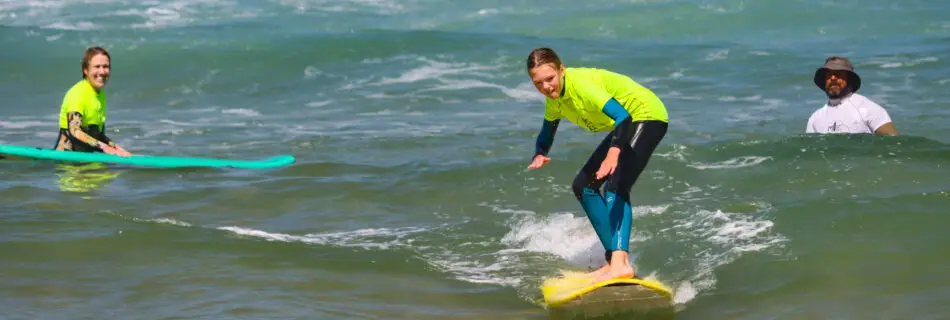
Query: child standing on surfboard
x,y
600,100
82,118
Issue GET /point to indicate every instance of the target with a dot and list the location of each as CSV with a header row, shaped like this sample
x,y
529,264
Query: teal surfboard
x,y
144,160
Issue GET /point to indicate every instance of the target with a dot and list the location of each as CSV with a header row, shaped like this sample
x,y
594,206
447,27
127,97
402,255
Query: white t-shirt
x,y
855,114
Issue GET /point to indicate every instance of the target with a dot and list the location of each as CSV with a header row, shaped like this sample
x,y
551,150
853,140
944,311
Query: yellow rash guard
x,y
587,90
83,101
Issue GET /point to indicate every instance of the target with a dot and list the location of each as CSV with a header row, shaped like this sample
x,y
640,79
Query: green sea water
x,y
412,123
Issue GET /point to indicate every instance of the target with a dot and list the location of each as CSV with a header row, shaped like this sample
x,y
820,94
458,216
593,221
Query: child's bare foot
x,y
619,268
619,272
599,272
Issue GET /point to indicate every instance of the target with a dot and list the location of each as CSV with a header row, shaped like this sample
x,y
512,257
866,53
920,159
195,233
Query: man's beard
x,y
836,97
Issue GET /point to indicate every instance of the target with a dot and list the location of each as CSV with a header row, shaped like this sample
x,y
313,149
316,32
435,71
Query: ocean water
x,y
412,122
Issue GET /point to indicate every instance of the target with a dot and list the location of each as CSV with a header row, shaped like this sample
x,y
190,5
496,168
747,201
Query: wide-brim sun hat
x,y
838,63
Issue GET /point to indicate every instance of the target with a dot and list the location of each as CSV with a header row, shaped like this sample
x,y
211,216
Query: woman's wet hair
x,y
92,52
542,56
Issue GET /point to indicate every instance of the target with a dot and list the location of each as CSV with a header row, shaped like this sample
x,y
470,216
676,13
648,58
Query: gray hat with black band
x,y
838,63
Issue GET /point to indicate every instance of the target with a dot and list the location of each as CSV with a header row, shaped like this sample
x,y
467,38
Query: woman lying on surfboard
x,y
600,100
82,118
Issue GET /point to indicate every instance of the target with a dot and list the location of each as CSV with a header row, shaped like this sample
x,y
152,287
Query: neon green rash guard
x,y
84,99
587,90
82,102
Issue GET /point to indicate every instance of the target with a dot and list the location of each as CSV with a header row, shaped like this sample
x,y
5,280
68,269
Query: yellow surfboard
x,y
575,291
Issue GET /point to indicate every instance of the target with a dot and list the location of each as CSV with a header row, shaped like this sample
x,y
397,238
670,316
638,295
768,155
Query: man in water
x,y
846,111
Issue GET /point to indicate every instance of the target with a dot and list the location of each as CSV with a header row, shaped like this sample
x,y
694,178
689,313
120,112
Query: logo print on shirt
x,y
833,127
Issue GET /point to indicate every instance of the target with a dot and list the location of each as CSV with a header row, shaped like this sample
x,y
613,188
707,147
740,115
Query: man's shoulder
x,y
859,100
819,111
866,106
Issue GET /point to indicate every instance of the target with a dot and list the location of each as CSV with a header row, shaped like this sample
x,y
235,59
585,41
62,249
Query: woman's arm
x,y
74,119
545,139
623,126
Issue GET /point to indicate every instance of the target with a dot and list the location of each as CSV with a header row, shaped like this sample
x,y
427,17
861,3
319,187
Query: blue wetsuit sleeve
x,y
546,137
623,126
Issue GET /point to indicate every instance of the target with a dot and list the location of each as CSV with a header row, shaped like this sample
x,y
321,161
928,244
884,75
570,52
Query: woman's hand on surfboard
x,y
539,161
122,152
114,151
609,164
